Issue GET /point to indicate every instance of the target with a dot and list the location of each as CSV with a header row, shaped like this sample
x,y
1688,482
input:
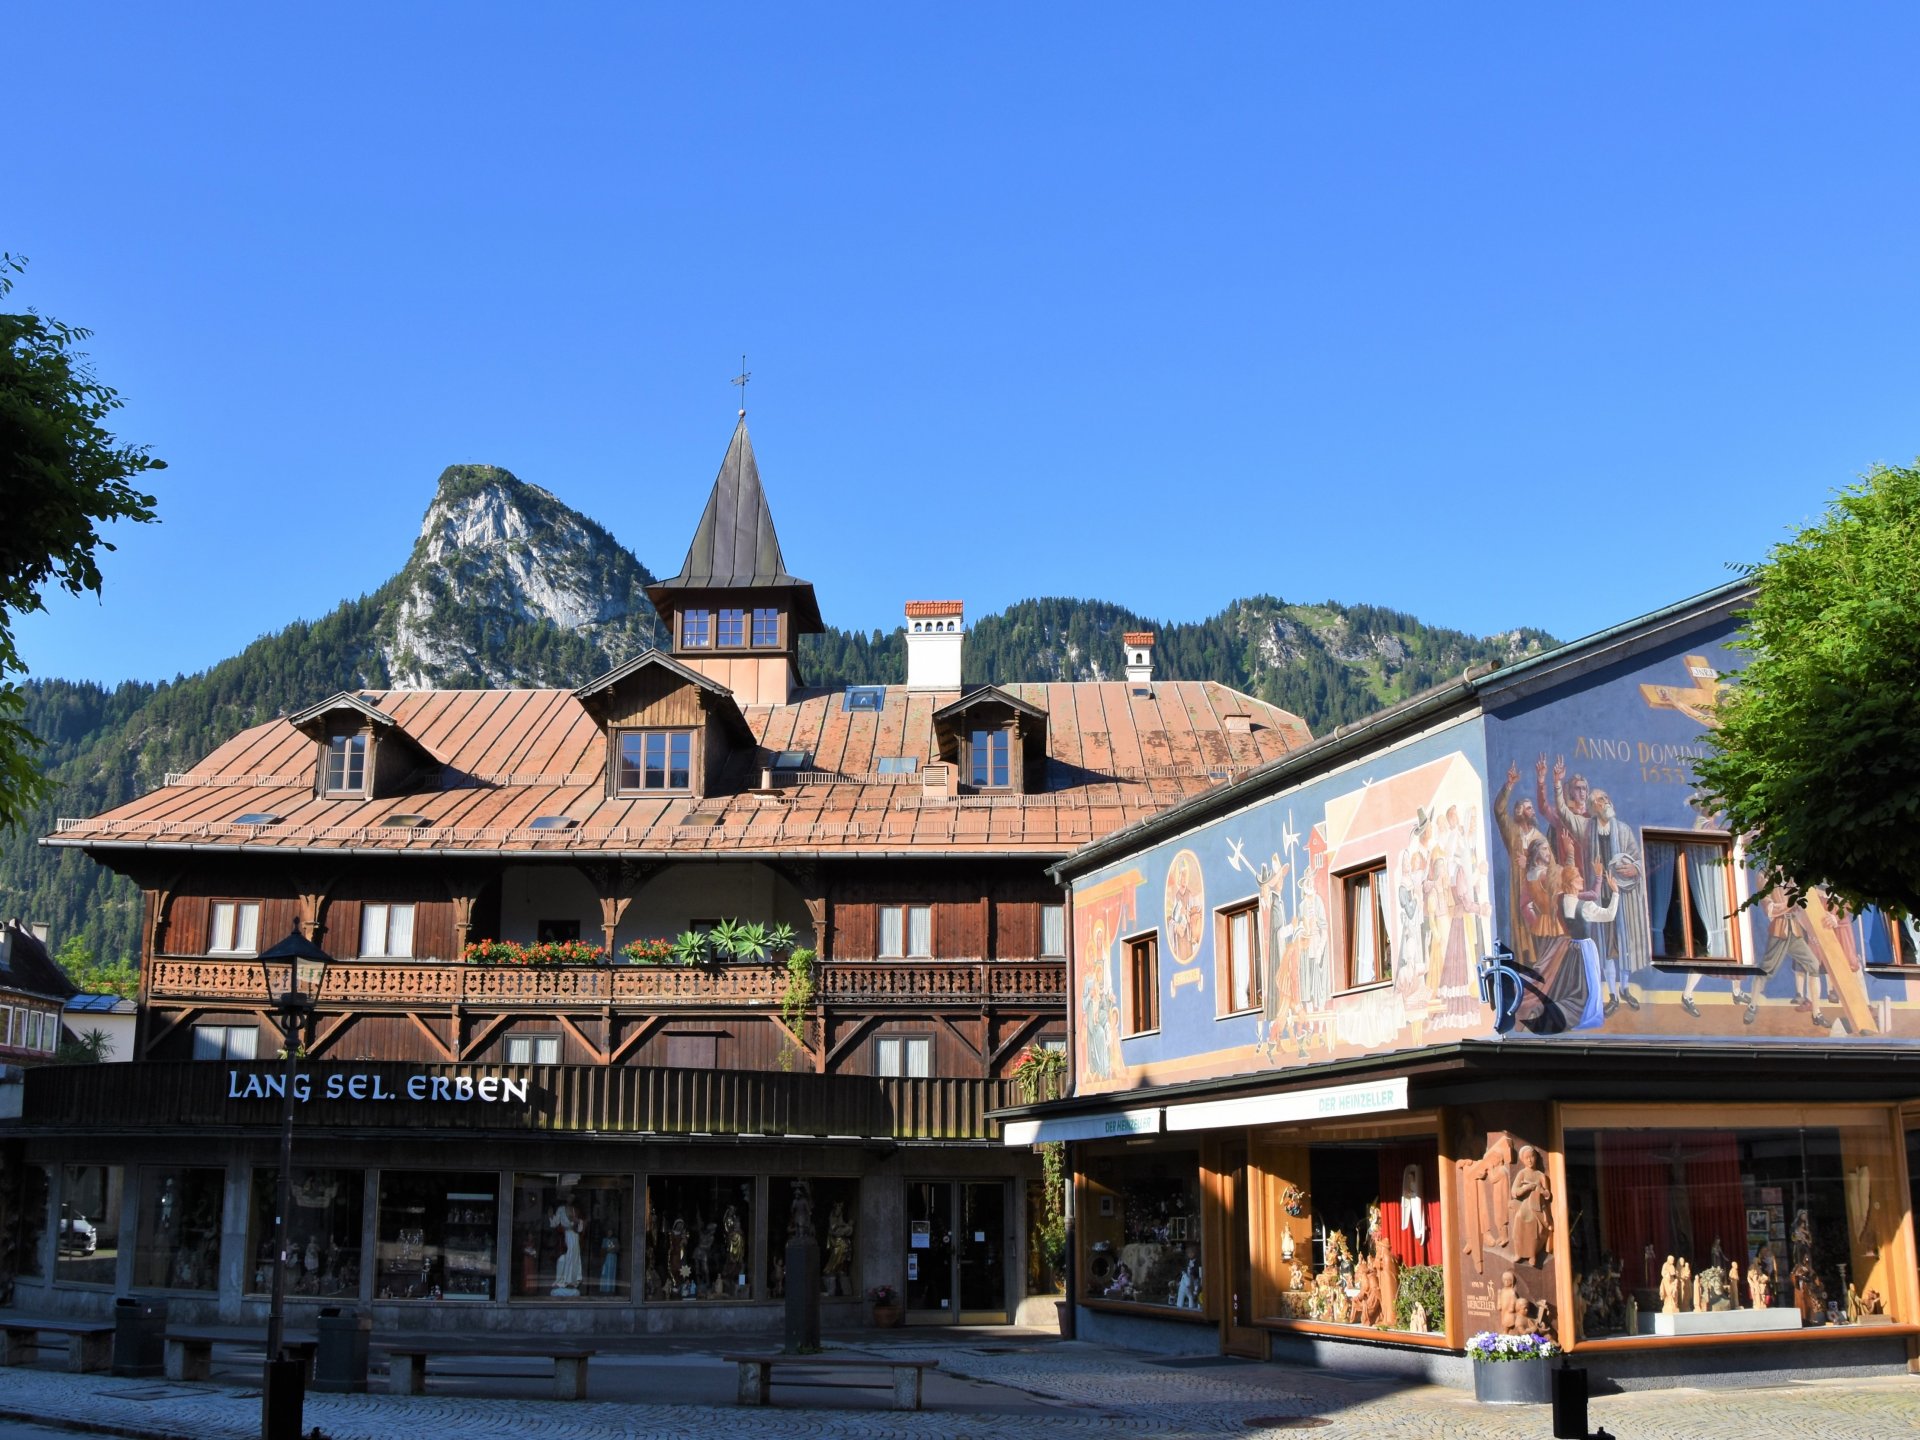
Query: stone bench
x,y
756,1377
190,1352
89,1342
407,1364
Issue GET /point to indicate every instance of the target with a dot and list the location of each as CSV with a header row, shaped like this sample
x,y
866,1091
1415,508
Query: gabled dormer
x,y
671,731
733,612
998,741
364,753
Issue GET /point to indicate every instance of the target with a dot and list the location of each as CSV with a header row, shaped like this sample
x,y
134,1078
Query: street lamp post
x,y
293,972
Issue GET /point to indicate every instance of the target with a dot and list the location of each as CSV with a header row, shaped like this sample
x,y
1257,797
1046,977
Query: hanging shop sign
x,y
372,1085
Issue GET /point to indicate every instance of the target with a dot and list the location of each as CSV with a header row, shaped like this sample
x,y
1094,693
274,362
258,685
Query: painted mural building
x,y
1459,1020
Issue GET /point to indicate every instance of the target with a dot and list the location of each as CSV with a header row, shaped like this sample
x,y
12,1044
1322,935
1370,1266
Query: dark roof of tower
x,y
735,545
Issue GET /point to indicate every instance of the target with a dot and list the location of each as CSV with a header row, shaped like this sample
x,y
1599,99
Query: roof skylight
x,y
865,697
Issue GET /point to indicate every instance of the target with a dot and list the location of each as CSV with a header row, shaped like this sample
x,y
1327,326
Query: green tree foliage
x,y
117,977
1817,756
62,476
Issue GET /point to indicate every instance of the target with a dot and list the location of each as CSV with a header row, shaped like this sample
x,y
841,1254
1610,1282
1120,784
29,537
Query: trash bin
x,y
1569,1401
340,1362
139,1335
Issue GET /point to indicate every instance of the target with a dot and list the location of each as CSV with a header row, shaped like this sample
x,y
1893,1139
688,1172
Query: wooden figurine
x,y
1670,1287
1531,1222
1733,1285
1511,1309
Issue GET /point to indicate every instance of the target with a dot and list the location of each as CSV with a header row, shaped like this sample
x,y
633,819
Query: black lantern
x,y
294,972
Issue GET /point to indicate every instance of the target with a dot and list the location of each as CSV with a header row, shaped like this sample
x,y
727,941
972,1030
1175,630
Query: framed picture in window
x,y
1106,1205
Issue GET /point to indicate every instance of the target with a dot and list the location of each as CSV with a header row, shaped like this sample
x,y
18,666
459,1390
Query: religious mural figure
x,y
1100,1011
1185,902
1280,995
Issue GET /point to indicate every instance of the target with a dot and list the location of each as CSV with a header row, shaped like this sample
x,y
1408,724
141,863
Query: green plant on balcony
x,y
795,1001
544,953
1039,1072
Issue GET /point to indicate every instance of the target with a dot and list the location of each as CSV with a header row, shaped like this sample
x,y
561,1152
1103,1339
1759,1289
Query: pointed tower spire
x,y
733,608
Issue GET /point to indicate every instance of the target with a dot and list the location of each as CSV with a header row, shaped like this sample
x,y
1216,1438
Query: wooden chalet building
x,y
615,1140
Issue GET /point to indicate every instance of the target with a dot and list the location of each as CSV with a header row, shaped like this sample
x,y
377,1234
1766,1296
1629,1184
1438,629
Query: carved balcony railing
x,y
856,985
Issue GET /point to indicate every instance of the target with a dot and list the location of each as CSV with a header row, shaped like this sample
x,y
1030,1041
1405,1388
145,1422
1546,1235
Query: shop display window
x,y
88,1248
1356,1235
1141,1219
177,1243
829,1207
437,1236
323,1232
570,1236
1709,1230
30,1233
696,1239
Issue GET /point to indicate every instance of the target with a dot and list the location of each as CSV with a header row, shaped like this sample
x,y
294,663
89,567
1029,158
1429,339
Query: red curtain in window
x,y
1408,1248
1676,1190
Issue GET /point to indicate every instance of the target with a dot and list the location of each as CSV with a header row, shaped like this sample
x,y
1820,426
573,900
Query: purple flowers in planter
x,y
1489,1346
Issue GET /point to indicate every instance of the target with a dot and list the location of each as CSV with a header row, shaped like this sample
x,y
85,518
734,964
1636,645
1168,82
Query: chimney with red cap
x,y
936,630
1139,645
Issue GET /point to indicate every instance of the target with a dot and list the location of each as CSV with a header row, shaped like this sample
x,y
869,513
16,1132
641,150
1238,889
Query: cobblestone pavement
x,y
985,1389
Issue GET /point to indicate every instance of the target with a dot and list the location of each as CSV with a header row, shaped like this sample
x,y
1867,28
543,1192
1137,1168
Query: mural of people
x,y
1100,1010
1185,906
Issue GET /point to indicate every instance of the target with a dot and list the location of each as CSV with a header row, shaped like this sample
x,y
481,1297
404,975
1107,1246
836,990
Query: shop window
x,y
533,1050
323,1232
696,629
654,761
1809,1214
1690,895
436,1236
1235,959
1143,983
30,1233
906,932
1368,960
177,1240
87,1249
1359,1234
386,932
696,1238
226,1042
570,1234
346,765
1141,1222
1053,932
233,927
733,628
832,1207
693,1052
903,1057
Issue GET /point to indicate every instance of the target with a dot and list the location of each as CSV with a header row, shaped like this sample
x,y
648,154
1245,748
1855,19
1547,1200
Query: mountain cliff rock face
x,y
507,586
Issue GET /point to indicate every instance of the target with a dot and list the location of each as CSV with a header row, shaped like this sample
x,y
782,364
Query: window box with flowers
x,y
1511,1369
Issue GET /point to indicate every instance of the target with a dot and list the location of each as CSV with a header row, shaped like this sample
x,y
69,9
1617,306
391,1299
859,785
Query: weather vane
x,y
741,380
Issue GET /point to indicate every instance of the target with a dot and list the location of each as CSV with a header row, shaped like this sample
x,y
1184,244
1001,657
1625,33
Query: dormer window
x,y
347,765
696,629
990,762
654,762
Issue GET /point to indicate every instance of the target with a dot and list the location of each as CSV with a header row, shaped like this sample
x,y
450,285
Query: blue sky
x,y
1497,315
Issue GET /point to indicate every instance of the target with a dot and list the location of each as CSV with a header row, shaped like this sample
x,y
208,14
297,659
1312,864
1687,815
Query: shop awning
x,y
1102,1125
1328,1102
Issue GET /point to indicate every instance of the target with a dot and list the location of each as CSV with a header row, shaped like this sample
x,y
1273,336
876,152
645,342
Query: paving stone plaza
x,y
989,1385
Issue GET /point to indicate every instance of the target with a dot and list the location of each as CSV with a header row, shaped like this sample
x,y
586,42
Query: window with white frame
x,y
1053,932
226,1042
533,1050
233,928
903,1057
906,932
386,932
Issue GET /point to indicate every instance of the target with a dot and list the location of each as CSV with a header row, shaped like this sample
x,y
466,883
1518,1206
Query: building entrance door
x,y
1238,1334
956,1252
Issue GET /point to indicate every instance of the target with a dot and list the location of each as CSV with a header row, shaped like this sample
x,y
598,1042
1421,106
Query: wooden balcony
x,y
849,985
194,1097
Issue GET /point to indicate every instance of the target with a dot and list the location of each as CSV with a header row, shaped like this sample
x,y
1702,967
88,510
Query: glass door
x,y
956,1252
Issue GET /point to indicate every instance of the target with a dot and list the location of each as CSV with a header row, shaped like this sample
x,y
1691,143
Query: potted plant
x,y
886,1306
1511,1369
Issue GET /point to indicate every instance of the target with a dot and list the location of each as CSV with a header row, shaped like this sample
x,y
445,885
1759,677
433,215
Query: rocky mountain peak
x,y
506,586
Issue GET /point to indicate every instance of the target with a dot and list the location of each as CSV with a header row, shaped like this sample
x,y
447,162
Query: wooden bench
x,y
756,1378
407,1364
190,1352
89,1342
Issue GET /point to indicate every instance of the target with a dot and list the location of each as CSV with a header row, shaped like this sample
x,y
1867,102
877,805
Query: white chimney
x,y
1139,645
936,630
